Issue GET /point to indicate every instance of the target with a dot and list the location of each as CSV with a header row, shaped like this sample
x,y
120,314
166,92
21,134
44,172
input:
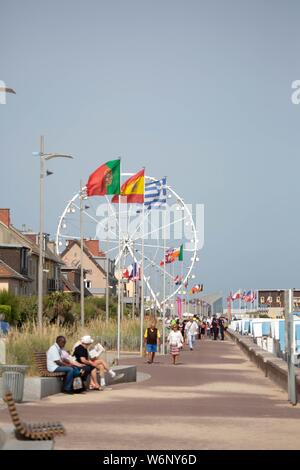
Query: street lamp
x,y
43,157
5,89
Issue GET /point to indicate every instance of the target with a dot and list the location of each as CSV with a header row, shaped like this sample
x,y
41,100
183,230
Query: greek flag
x,y
156,194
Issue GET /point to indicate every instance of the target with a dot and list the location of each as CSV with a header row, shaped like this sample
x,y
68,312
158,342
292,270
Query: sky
x,y
197,90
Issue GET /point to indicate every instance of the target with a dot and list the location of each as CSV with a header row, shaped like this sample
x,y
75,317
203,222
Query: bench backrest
x,y
41,361
8,398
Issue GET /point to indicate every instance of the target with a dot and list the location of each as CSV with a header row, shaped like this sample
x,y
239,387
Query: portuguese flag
x,y
105,180
133,189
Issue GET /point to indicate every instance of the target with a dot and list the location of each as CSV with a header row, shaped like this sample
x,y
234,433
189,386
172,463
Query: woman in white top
x,y
175,341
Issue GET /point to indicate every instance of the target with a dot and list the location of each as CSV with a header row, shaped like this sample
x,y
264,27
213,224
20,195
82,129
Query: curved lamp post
x,y
3,92
43,157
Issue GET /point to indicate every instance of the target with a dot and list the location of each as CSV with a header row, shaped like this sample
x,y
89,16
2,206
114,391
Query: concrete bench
x,y
36,388
129,375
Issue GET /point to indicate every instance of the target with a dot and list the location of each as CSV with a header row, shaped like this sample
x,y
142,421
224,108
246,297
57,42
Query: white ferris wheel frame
x,y
193,250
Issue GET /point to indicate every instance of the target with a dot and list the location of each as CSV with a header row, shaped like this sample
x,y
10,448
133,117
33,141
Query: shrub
x,y
5,312
9,299
24,341
58,307
28,308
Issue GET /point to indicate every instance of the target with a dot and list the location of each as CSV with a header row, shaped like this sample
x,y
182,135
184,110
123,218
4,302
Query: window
x,y
24,261
262,300
87,284
278,299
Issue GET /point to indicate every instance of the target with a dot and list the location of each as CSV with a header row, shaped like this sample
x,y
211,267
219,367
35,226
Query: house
x,y
272,301
71,282
94,264
19,254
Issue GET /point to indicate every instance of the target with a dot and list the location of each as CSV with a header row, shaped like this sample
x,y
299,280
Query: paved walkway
x,y
214,399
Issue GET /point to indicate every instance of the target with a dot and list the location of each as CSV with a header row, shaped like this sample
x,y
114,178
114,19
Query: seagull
x,y
4,89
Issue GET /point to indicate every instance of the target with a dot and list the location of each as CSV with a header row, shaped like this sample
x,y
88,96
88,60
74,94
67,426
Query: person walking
x,y
175,341
152,341
192,331
221,323
215,327
203,328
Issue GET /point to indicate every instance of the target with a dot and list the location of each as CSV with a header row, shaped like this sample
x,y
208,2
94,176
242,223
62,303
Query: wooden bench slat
x,y
33,431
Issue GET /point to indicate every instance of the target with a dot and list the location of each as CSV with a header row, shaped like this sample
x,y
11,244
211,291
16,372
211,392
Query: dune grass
x,y
22,342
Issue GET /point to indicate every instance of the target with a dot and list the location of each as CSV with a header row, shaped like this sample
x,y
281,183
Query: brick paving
x,y
213,399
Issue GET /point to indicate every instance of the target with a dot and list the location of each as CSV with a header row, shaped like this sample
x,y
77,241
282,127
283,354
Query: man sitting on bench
x,y
57,362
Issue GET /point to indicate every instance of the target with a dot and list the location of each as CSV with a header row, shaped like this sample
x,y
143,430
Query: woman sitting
x,y
92,364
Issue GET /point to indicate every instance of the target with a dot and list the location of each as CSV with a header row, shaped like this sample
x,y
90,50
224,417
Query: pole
x,y
107,273
119,286
41,237
142,288
81,259
164,285
289,334
133,298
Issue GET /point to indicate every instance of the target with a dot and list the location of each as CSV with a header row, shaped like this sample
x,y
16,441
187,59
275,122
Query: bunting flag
x,y
179,307
172,255
178,280
132,272
133,189
105,180
237,295
253,298
197,288
156,194
247,296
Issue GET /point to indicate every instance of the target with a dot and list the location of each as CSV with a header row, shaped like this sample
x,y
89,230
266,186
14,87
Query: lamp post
x,y
43,157
4,90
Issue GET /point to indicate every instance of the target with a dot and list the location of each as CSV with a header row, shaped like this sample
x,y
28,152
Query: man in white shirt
x,y
191,330
57,362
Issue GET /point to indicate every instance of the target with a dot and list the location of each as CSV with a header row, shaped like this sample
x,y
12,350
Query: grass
x,y
23,342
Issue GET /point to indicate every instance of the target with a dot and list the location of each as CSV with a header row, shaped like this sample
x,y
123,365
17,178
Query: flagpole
x,y
81,258
119,286
107,270
142,286
133,291
164,284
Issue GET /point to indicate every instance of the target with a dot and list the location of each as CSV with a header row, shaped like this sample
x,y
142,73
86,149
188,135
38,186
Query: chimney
x,y
32,237
5,216
92,246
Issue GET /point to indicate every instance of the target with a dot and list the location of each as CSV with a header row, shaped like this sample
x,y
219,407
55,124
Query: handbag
x,y
77,383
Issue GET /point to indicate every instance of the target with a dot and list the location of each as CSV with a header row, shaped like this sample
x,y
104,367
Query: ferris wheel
x,y
125,231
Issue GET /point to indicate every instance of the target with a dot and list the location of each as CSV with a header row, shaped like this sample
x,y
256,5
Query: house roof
x,y
70,286
25,242
86,251
6,272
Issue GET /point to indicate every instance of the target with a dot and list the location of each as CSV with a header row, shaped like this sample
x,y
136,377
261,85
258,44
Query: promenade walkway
x,y
214,399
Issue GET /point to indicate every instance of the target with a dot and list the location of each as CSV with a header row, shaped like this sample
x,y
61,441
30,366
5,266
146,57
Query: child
x,y
175,340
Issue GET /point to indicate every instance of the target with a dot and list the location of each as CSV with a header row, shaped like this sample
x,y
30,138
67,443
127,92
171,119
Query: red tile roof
x,y
8,272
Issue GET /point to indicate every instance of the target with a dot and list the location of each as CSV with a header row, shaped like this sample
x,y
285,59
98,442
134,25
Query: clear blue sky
x,y
196,90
